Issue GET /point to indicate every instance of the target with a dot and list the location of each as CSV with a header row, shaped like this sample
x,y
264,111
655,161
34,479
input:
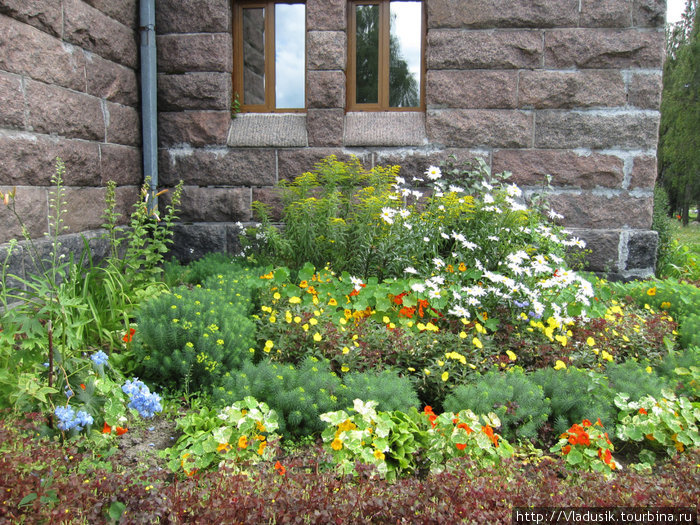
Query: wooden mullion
x,y
270,103
384,47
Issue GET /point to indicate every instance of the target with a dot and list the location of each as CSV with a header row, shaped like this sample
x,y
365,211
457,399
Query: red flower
x,y
465,427
489,432
398,299
82,385
407,312
642,411
461,446
428,409
566,449
106,429
422,303
129,336
585,423
281,470
121,431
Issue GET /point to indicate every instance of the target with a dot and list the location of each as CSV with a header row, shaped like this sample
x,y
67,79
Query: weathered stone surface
x,y
389,128
592,210
91,29
266,130
606,13
193,241
326,50
471,89
123,125
126,197
414,163
462,49
84,207
641,250
643,175
32,205
53,109
218,167
11,101
325,89
325,127
273,199
502,13
644,90
603,48
649,13
326,15
571,89
604,246
122,164
45,15
193,16
567,168
124,11
111,81
213,204
194,91
596,129
195,52
474,128
14,259
28,51
233,242
293,162
196,128
30,160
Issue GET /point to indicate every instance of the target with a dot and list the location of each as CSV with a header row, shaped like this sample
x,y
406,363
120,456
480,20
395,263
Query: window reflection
x,y
404,54
367,54
254,56
290,55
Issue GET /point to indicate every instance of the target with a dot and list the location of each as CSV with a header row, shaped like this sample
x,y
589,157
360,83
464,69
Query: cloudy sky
x,y
674,10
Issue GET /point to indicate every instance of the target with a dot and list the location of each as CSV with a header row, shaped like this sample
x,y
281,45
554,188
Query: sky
x,y
674,10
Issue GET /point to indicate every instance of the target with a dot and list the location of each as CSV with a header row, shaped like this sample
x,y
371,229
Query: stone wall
x,y
69,89
570,88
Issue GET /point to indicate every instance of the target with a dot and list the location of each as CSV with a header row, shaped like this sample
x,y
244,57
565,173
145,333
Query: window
x,y
269,43
385,62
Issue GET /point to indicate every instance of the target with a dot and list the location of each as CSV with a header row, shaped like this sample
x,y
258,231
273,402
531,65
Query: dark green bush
x,y
633,379
686,384
387,388
575,395
519,403
689,331
189,338
198,271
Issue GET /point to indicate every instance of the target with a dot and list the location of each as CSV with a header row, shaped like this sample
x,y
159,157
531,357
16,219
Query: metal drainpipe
x,y
149,115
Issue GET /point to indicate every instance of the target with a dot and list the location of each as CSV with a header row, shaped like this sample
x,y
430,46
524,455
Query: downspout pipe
x,y
149,109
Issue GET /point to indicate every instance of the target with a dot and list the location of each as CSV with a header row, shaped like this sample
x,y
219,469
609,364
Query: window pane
x,y
367,54
254,56
290,31
404,54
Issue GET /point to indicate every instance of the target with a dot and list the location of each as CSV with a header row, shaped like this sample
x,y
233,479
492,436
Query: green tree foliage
x,y
679,142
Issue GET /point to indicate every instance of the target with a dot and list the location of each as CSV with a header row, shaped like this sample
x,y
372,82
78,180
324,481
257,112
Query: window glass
x,y
290,32
367,53
253,56
404,54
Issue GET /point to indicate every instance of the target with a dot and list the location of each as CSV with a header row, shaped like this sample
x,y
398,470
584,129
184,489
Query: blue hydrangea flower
x,y
99,358
67,390
66,417
144,401
83,419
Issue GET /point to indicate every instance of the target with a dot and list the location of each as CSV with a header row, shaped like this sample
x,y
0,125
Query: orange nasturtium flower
x,y
243,442
223,447
651,291
106,429
281,470
121,431
129,336
642,411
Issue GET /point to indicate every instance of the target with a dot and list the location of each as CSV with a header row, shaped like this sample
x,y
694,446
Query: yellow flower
x,y
268,346
261,448
242,442
332,302
590,341
305,326
317,337
303,284
297,319
313,321
273,319
648,369
337,444
379,455
562,339
427,372
223,447
606,356
463,335
344,368
665,305
294,299
559,365
445,375
477,343
511,355
277,296
346,350
651,291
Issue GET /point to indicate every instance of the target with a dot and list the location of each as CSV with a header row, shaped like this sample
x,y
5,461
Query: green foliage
x,y
689,331
190,338
519,403
198,271
663,225
576,395
391,391
586,446
635,379
678,368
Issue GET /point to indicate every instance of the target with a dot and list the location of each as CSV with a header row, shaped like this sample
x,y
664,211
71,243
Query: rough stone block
x,y
596,129
473,128
643,175
267,130
200,91
122,164
126,197
325,89
30,160
567,168
213,204
45,15
124,11
293,162
325,127
273,199
604,246
233,242
91,29
462,49
218,167
194,241
111,81
599,211
28,51
326,15
84,208
641,250
606,13
11,102
32,205
390,128
193,16
195,52
649,13
123,125
196,128
603,48
485,14
52,109
472,89
414,163
571,89
644,90
14,258
326,50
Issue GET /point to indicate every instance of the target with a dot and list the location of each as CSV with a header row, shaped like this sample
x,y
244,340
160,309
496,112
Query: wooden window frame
x,y
383,83
237,74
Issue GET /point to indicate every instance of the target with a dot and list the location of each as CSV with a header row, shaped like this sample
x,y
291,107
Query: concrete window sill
x,y
391,128
268,130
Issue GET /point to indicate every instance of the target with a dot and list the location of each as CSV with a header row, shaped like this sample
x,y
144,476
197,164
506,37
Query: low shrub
x,y
685,383
635,379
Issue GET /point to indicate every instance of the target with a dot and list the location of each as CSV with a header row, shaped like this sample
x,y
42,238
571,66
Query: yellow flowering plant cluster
x,y
235,436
